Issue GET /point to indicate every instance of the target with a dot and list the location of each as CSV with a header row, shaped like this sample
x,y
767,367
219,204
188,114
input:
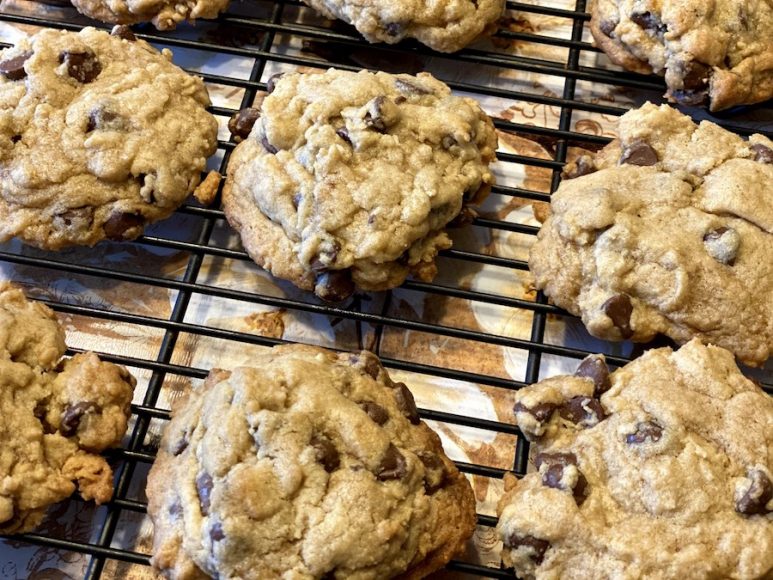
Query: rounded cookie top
x,y
55,416
164,14
667,230
661,469
99,134
444,26
310,464
350,178
718,53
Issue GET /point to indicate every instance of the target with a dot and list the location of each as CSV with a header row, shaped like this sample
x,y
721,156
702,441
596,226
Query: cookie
x,y
100,134
716,53
56,415
310,464
349,179
661,469
669,229
443,26
164,14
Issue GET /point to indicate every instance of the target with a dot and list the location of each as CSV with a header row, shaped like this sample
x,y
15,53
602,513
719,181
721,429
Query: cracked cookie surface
x,y
349,179
660,469
328,472
669,229
55,415
164,14
444,26
99,135
717,53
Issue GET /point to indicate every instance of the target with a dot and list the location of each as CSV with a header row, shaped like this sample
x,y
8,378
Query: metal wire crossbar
x,y
340,41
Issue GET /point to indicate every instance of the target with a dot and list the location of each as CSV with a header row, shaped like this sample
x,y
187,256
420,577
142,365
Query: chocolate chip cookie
x,y
99,135
669,229
349,179
310,464
661,469
56,415
444,26
716,53
164,14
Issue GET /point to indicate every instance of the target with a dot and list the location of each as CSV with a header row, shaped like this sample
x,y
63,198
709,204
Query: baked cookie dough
x,y
446,26
349,179
56,415
310,464
717,53
164,14
661,469
669,229
99,135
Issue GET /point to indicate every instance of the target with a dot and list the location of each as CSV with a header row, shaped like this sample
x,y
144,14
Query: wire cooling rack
x,y
323,46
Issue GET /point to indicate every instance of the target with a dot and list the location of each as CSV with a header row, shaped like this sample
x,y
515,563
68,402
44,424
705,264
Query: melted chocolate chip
x,y
619,309
15,139
375,412
696,76
583,411
406,403
541,411
103,119
649,21
435,475
326,453
242,122
13,68
124,32
644,431
181,445
175,508
268,146
334,285
344,134
762,153
371,365
608,27
84,67
553,476
754,501
393,465
393,29
216,532
204,486
374,118
271,83
534,546
595,368
73,414
639,153
118,224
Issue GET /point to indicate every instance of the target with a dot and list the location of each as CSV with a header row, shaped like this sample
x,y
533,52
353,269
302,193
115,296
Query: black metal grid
x,y
563,136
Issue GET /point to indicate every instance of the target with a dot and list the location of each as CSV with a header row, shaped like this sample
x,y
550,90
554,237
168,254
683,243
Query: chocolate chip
x,y
103,119
755,499
204,485
535,547
119,225
639,153
762,153
41,411
583,411
541,411
374,118
372,365
435,475
448,141
399,100
649,21
696,75
175,508
268,146
410,88
722,244
84,67
553,475
181,445
241,123
334,285
271,82
466,216
608,27
393,464
71,418
327,256
406,403
216,532
344,134
689,97
77,217
393,29
124,32
595,368
645,430
619,309
583,165
15,139
326,453
375,412
13,68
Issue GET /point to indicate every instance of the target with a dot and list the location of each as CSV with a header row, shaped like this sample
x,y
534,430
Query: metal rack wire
x,y
101,549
